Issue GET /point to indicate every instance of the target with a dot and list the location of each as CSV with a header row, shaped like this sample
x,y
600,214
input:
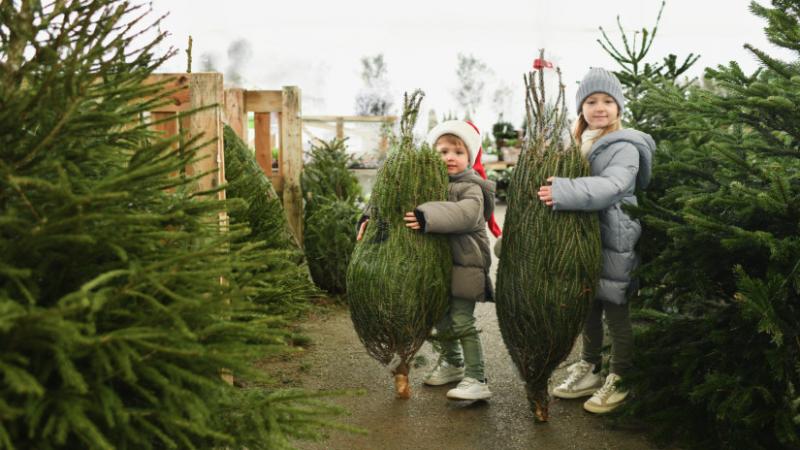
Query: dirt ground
x,y
337,360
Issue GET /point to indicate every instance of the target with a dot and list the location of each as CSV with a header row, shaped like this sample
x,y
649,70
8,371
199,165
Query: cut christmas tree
x,y
398,281
550,264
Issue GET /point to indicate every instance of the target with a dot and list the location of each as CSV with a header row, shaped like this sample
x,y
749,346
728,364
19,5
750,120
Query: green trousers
x,y
457,333
618,320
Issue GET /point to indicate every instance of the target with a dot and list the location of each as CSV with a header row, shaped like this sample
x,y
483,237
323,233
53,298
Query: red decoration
x,y
478,166
540,63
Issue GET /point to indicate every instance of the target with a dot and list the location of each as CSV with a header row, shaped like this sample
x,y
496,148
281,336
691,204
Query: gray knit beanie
x,y
599,80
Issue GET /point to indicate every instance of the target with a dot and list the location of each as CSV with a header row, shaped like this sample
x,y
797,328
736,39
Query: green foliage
x,y
331,214
330,239
721,357
121,300
639,77
713,381
503,131
398,281
261,208
488,146
550,264
277,268
327,175
502,178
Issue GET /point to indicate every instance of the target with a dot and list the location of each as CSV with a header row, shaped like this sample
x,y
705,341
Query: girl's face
x,y
455,156
599,110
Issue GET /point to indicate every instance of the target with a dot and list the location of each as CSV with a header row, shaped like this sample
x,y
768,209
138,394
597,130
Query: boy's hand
x,y
546,193
361,230
411,221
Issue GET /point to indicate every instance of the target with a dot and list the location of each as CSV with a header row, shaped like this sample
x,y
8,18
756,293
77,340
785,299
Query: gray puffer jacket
x,y
621,162
463,217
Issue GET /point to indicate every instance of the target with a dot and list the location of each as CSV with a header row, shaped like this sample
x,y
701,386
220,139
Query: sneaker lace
x,y
609,387
576,372
466,382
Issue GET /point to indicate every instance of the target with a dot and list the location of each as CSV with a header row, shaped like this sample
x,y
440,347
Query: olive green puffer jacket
x,y
464,217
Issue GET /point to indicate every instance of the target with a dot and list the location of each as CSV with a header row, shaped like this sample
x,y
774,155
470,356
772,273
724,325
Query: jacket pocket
x,y
466,251
468,283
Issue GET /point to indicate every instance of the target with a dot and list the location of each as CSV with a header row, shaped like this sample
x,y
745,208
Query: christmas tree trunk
x,y
550,263
398,281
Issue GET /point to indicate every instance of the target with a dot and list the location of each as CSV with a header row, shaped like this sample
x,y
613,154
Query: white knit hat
x,y
468,133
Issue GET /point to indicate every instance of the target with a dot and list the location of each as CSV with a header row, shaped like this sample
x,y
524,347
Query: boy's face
x,y
455,156
599,110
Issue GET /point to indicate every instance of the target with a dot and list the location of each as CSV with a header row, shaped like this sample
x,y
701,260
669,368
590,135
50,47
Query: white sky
x,y
317,45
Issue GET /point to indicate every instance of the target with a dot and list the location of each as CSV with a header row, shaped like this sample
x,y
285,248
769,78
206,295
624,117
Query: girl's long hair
x,y
581,125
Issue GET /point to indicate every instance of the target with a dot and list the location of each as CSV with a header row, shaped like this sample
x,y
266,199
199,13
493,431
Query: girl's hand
x,y
411,221
546,193
361,230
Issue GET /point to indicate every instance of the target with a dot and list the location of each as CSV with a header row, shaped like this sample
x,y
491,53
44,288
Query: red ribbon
x,y
540,63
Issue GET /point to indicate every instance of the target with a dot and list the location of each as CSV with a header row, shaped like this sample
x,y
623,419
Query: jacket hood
x,y
643,143
487,187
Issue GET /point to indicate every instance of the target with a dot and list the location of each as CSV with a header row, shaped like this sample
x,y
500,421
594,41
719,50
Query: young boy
x,y
464,216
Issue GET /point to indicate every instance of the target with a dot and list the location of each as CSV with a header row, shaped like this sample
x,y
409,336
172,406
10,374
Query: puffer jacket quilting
x,y
621,163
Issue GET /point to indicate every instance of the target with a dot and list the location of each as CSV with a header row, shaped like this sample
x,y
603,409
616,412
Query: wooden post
x,y
235,113
280,142
196,91
385,121
278,180
206,89
340,128
264,142
292,159
383,145
185,127
168,129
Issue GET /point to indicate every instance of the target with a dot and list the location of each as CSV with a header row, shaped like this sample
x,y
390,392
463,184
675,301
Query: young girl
x,y
620,163
464,218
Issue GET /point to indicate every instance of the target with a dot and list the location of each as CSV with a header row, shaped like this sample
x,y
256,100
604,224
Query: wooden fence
x,y
284,105
204,92
195,91
341,120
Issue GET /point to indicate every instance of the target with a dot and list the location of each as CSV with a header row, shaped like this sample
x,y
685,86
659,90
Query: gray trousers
x,y
618,320
457,331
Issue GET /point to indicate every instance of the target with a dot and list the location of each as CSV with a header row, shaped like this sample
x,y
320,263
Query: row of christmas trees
x,y
718,361
125,304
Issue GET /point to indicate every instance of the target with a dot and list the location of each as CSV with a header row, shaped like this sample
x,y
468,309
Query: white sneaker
x,y
470,389
580,382
607,398
443,373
